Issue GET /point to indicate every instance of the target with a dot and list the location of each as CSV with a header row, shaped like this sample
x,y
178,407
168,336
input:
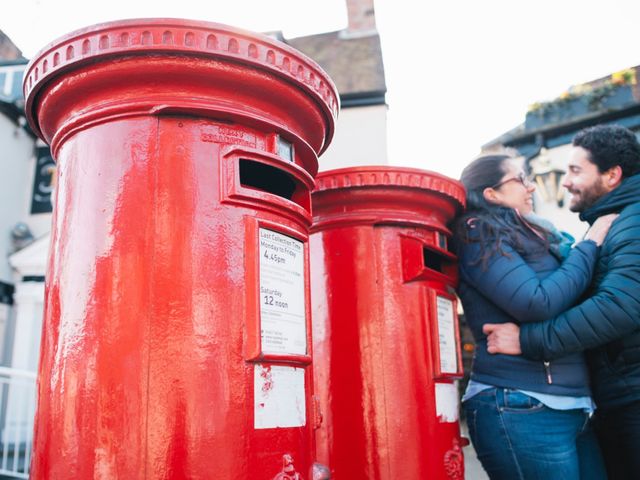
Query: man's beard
x,y
588,196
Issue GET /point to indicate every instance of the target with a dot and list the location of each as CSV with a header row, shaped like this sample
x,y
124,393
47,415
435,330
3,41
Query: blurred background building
x,y
544,138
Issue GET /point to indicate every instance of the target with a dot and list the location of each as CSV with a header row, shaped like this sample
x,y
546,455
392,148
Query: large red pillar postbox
x,y
176,340
385,333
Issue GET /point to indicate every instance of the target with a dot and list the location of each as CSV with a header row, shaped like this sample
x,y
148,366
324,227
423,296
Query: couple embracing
x,y
555,383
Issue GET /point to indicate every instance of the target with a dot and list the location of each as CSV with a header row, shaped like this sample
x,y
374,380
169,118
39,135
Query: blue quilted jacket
x,y
607,323
524,283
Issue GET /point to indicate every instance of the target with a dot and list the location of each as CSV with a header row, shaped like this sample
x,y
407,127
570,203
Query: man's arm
x,y
611,313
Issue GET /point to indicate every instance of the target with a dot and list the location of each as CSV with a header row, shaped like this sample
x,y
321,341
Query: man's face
x,y
583,181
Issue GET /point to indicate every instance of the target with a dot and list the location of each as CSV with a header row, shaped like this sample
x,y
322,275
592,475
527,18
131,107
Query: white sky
x,y
459,73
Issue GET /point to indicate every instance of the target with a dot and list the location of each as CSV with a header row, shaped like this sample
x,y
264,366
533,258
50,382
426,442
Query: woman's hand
x,y
600,228
502,338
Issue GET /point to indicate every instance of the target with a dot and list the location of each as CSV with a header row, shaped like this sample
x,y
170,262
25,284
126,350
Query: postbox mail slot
x,y
423,261
262,179
435,261
267,179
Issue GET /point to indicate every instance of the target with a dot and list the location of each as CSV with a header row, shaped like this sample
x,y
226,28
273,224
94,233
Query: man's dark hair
x,y
611,145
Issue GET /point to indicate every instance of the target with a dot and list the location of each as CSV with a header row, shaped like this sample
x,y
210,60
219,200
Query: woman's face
x,y
514,189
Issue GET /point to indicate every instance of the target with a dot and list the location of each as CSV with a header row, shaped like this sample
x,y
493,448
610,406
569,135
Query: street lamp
x,y
548,176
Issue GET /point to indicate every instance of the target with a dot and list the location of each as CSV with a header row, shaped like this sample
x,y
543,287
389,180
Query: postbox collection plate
x,y
277,317
447,361
282,307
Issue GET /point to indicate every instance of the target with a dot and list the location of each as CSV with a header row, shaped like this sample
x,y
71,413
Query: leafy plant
x,y
595,96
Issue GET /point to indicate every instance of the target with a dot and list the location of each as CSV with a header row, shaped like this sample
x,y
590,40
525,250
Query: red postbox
x,y
385,333
176,341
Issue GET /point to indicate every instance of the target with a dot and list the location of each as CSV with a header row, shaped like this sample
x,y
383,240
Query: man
x,y
602,178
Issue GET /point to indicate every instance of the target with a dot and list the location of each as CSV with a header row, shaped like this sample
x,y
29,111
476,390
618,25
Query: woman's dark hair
x,y
486,223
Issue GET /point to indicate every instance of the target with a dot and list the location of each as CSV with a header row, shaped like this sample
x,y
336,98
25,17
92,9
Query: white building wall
x,y
16,176
29,303
360,139
561,217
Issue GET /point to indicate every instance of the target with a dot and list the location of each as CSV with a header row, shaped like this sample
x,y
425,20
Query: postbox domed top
x,y
385,194
190,40
388,176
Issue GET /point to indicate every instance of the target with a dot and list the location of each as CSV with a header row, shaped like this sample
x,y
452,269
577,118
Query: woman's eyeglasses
x,y
521,177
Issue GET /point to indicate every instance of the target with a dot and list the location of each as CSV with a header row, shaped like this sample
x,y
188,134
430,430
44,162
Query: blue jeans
x,y
517,437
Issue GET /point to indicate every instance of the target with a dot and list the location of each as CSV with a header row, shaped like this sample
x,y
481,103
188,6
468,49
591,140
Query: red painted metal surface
x,y
186,153
386,346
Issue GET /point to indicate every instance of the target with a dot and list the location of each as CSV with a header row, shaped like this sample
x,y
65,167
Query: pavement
x,y
472,468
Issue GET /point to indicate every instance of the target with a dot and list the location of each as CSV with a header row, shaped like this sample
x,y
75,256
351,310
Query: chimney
x,y
362,19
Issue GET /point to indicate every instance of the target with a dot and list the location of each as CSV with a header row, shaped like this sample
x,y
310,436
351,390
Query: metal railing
x,y
17,408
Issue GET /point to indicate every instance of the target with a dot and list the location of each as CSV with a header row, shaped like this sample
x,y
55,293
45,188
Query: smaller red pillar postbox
x,y
385,334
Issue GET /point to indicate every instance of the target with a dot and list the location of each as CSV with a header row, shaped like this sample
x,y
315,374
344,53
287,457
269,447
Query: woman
x,y
527,419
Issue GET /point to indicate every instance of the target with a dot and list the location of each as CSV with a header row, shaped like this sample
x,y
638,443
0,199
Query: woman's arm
x,y
511,284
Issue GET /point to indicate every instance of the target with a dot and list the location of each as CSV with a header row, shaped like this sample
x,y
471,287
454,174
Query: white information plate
x,y
279,400
447,403
447,335
282,302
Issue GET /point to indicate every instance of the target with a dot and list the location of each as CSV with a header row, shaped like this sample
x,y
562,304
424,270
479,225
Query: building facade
x,y
25,217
